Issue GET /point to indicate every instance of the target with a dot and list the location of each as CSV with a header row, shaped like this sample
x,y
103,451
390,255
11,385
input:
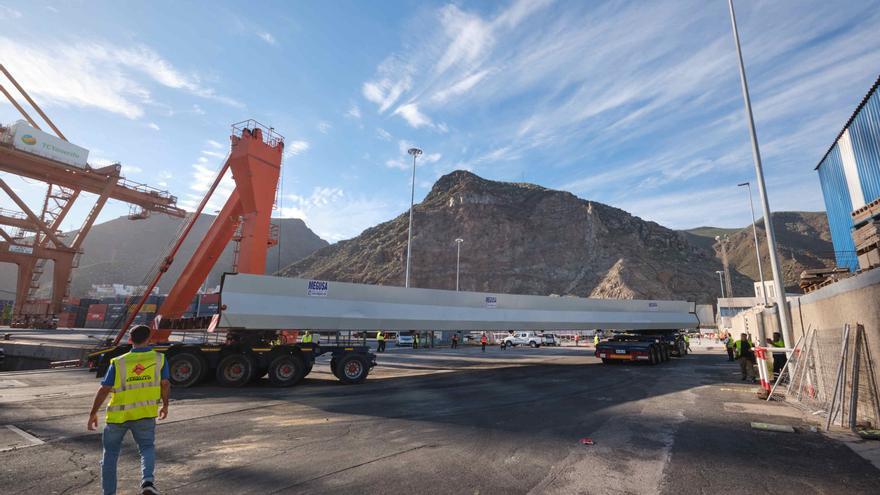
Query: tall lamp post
x,y
721,281
765,204
757,246
457,261
414,152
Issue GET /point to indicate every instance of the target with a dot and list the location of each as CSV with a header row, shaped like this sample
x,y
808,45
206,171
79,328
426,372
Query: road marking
x,y
12,383
32,440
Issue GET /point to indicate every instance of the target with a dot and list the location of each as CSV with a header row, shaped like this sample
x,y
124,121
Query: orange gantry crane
x,y
255,161
26,151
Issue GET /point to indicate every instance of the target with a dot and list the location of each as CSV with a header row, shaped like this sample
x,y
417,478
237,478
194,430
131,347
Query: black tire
x,y
665,352
533,344
352,369
186,369
287,370
235,370
654,357
334,369
606,361
309,368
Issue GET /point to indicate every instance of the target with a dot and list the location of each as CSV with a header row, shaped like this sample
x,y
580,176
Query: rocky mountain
x,y
124,251
524,239
803,239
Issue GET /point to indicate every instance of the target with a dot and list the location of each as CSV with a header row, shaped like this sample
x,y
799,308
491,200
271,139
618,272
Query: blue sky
x,y
634,104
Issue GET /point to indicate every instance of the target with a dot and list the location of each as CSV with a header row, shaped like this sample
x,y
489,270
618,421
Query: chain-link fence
x,y
830,373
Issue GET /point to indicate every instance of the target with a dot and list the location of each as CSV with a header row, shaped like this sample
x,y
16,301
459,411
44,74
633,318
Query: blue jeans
x,y
144,433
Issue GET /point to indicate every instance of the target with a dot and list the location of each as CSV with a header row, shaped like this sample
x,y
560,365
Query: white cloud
x,y
470,37
398,164
354,112
131,170
394,80
460,87
383,134
215,154
97,75
153,126
324,126
415,118
197,110
333,214
214,144
8,13
267,37
295,148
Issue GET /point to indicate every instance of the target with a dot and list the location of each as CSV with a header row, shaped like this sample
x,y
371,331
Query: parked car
x,y
549,340
404,340
530,339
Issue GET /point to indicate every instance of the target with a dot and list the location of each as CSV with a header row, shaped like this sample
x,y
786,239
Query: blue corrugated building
x,y
850,174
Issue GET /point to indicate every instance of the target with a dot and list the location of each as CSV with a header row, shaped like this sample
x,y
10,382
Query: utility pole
x,y
412,198
458,261
721,282
757,246
762,189
723,241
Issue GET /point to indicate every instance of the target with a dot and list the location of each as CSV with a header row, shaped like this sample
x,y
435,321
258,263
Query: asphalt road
x,y
446,422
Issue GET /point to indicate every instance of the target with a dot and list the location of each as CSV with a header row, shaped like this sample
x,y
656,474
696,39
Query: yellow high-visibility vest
x,y
137,390
380,335
307,338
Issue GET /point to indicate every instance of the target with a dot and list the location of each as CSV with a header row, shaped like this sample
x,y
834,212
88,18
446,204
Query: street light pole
x,y
721,281
414,152
762,189
457,261
757,246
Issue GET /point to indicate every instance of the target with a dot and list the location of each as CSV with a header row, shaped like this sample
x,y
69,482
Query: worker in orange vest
x,y
483,341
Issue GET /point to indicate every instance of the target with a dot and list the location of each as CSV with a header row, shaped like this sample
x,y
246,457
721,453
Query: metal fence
x,y
831,374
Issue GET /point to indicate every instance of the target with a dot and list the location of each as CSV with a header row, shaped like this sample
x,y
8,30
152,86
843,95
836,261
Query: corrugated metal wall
x,y
864,133
838,207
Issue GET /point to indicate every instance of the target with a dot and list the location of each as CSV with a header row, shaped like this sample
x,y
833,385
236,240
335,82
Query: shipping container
x,y
37,142
209,309
97,312
206,299
849,174
88,301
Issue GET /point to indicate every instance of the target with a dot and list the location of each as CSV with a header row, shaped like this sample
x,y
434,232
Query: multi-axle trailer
x,y
256,310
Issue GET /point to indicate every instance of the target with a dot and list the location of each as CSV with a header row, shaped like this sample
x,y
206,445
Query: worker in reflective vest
x,y
596,339
380,338
416,340
779,358
483,341
742,348
307,337
135,382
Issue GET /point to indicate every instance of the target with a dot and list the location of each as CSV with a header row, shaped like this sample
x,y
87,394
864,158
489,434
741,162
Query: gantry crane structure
x,y
38,237
254,158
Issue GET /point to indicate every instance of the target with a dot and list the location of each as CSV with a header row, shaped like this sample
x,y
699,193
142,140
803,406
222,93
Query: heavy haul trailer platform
x,y
237,364
254,309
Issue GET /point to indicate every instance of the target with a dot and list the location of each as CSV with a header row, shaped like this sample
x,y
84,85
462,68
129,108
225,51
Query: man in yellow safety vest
x,y
745,354
307,337
135,382
779,358
380,338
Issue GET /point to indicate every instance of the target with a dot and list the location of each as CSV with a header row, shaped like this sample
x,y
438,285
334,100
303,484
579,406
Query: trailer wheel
x,y
286,371
308,369
665,352
353,369
654,355
235,370
186,369
335,369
